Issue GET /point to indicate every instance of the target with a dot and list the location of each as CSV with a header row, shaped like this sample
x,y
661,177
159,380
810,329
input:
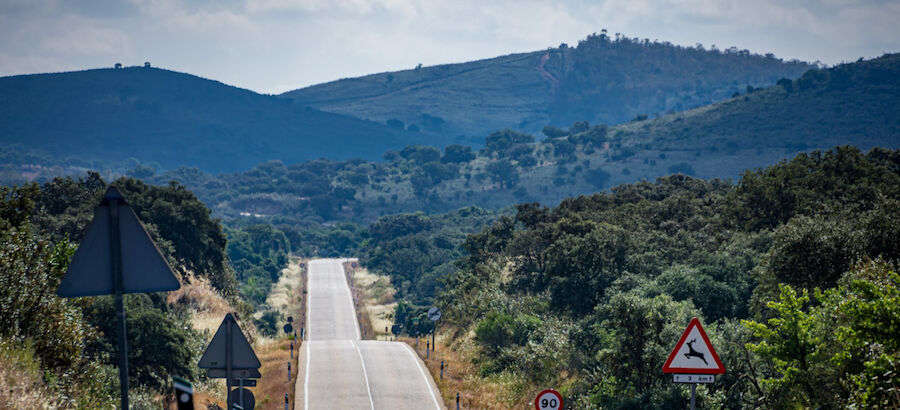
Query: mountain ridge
x,y
602,80
176,119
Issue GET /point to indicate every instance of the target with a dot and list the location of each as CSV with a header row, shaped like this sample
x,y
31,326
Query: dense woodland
x,y
793,271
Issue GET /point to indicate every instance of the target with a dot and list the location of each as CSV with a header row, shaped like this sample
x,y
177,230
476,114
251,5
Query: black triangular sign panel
x,y
144,269
242,355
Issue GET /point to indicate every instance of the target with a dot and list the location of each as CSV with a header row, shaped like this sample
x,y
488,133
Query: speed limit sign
x,y
548,400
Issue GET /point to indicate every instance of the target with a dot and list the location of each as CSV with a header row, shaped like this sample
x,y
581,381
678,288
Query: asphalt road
x,y
340,371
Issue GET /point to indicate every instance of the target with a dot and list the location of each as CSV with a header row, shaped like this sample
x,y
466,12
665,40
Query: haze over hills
x,y
176,119
602,80
852,104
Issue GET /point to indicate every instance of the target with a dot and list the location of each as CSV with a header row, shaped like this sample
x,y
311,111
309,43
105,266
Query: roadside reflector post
x,y
427,349
457,400
442,370
184,393
289,372
286,402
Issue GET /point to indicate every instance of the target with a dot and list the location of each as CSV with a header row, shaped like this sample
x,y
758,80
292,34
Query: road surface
x,y
340,371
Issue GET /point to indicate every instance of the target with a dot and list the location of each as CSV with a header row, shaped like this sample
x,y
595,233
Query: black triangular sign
x,y
144,269
242,355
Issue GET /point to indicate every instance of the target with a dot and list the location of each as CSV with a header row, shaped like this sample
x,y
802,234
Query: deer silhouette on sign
x,y
691,352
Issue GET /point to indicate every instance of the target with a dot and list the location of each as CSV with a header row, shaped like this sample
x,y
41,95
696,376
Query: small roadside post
x,y
694,360
286,402
117,256
184,393
434,314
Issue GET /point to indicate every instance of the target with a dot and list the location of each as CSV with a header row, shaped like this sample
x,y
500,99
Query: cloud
x,y
84,38
275,45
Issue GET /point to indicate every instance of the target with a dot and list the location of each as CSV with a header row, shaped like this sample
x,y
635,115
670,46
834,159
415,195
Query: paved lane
x,y
343,372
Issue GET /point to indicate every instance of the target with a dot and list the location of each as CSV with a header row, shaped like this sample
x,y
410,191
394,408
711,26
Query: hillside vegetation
x,y
103,117
853,104
62,352
792,271
602,80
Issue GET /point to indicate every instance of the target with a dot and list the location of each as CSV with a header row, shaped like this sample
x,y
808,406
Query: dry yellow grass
x,y
376,296
21,385
275,353
209,306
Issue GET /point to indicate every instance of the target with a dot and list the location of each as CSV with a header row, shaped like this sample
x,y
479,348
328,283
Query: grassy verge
x,y
275,354
374,296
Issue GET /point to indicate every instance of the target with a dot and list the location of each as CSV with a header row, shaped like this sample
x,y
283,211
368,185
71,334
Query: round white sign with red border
x,y
548,400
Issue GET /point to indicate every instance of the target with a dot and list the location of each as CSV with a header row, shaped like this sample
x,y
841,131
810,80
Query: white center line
x,y
365,374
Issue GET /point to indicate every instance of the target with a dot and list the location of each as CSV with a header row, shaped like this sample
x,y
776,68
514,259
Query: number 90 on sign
x,y
548,400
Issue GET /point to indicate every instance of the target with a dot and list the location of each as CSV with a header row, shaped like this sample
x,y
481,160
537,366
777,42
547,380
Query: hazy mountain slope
x,y
856,103
853,104
602,80
176,119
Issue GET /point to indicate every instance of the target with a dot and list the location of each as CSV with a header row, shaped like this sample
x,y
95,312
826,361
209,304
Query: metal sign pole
x,y
693,396
228,375
116,255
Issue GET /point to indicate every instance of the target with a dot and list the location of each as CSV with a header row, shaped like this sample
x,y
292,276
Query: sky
x,y
273,46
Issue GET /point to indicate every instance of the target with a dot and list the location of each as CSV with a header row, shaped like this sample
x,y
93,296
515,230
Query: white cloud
x,y
276,45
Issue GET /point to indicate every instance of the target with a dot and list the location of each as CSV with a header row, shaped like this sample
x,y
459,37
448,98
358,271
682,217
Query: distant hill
x,y
176,119
602,80
852,104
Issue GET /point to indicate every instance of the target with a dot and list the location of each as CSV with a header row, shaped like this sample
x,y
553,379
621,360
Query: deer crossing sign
x,y
694,354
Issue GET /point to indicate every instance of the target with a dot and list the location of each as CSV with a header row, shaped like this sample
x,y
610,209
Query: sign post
x,y
230,351
434,314
694,360
117,256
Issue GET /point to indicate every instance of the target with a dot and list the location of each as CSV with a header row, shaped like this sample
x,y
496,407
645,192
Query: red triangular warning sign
x,y
694,353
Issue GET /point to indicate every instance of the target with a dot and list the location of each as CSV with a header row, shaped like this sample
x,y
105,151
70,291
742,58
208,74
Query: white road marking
x,y
424,377
365,374
306,334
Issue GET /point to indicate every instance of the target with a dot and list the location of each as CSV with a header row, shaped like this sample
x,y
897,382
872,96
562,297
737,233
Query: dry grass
x,y
21,384
208,305
275,354
376,301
